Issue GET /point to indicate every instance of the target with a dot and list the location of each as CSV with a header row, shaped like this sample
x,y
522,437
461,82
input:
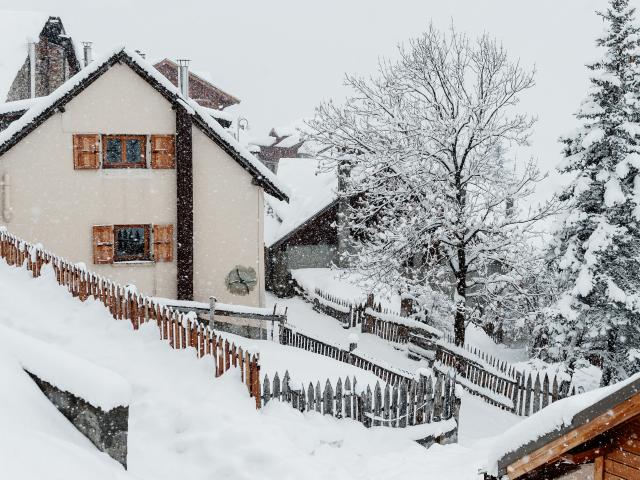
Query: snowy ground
x,y
326,328
186,424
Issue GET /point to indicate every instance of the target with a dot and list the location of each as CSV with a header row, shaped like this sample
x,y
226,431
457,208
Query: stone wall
x,y
106,430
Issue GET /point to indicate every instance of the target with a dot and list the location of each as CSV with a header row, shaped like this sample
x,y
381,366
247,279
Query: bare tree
x,y
422,143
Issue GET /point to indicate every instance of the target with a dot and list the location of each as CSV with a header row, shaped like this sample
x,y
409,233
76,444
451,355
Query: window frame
x,y
123,150
147,256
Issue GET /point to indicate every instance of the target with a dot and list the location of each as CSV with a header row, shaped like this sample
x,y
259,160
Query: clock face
x,y
241,280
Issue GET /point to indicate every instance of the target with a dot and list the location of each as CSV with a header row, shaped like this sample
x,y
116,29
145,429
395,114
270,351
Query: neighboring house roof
x,y
568,423
201,90
54,102
17,29
312,192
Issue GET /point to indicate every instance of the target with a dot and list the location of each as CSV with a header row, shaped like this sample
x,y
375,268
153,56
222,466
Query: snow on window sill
x,y
134,262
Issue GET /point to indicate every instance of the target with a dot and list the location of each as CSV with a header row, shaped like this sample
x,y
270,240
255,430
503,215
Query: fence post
x,y
212,310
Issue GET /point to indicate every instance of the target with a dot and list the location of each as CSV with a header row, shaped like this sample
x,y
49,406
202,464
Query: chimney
x,y
87,53
183,77
32,69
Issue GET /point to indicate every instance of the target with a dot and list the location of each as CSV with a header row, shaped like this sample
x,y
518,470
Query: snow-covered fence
x,y
372,317
415,402
499,383
395,328
289,335
347,312
180,330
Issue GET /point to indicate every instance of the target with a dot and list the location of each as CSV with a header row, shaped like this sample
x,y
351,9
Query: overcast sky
x,y
282,57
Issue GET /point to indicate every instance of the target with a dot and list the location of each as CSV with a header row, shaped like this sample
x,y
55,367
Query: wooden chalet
x,y
601,441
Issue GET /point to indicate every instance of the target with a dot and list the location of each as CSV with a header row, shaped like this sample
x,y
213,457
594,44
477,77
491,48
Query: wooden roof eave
x,y
600,417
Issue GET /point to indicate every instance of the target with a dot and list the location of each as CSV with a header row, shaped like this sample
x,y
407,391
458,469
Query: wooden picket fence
x,y
180,330
373,318
289,335
499,383
408,403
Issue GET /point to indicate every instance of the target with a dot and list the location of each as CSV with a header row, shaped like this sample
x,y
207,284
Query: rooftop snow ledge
x,y
98,386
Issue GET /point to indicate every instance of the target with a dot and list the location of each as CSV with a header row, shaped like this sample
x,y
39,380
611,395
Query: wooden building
x,y
601,440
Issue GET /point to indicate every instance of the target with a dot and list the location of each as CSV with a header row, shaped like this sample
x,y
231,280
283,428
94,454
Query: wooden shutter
x,y
86,151
102,244
163,243
163,151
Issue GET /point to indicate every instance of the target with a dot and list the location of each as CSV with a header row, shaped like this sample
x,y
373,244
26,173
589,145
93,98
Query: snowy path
x,y
186,424
323,327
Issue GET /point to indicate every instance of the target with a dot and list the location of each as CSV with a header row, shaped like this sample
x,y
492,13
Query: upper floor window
x,y
92,151
124,151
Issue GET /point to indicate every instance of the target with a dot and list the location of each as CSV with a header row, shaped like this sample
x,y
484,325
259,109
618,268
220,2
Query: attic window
x,y
124,151
131,243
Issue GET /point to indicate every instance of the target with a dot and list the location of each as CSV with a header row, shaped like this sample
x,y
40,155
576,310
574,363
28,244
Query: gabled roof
x,y
56,101
313,192
595,409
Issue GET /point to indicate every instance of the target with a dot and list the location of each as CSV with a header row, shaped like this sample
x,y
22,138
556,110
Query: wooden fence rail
x,y
409,403
290,336
180,330
501,384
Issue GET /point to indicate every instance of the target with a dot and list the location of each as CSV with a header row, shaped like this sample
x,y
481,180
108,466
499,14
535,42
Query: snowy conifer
x,y
597,247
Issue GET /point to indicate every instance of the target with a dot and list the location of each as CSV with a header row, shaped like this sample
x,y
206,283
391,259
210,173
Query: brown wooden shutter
x,y
163,151
102,244
163,243
86,151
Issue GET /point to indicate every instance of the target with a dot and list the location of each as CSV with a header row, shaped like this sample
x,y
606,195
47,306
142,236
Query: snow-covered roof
x,y
554,421
312,190
19,105
43,109
17,29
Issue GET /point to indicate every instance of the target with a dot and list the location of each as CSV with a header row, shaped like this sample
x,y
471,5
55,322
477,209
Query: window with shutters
x,y
124,151
131,243
163,151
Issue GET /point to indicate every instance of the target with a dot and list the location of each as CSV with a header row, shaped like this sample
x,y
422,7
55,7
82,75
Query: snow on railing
x,y
499,383
124,303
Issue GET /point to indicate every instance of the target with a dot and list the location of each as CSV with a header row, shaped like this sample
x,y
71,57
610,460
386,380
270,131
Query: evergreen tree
x,y
596,250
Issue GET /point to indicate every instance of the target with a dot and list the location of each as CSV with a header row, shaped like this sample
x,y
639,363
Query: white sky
x,y
281,57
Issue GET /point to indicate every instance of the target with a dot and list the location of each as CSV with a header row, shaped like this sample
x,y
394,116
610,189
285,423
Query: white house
x,y
120,170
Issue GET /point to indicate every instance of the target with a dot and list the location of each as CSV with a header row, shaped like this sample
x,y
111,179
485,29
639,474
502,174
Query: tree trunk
x,y
461,293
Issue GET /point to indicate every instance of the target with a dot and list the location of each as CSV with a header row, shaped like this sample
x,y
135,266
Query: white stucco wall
x,y
56,205
225,202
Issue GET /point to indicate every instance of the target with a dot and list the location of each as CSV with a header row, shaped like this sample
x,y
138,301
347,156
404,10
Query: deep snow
x,y
186,424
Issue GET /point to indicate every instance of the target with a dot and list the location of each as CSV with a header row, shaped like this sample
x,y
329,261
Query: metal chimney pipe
x,y
87,53
183,76
32,69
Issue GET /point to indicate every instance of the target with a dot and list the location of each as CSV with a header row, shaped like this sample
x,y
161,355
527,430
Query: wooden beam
x,y
584,457
598,468
184,203
554,449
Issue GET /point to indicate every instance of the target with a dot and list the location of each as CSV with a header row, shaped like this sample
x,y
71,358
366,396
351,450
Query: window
x,y
131,243
127,243
124,151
